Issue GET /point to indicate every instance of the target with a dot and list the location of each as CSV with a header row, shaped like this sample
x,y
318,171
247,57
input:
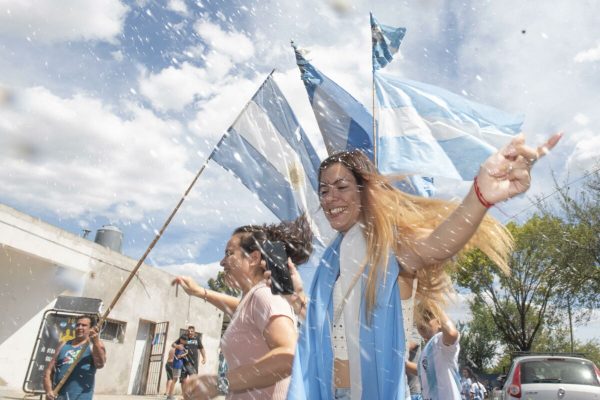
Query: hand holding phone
x,y
276,258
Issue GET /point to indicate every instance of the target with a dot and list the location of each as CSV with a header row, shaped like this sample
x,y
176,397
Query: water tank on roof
x,y
111,237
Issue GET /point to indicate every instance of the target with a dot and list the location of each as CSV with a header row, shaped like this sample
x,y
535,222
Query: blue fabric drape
x,y
381,338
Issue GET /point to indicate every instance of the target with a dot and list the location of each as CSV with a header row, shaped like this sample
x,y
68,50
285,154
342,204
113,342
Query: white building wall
x,y
38,262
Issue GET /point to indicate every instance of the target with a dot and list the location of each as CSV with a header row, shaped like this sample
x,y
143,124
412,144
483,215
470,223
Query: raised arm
x,y
450,334
98,349
502,176
298,300
222,301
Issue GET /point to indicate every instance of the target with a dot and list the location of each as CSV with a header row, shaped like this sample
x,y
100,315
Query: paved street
x,y
9,394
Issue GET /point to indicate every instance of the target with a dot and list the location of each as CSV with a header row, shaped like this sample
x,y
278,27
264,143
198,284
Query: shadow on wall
x,y
30,284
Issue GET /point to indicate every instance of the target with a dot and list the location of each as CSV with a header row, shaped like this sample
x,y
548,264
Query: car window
x,y
558,370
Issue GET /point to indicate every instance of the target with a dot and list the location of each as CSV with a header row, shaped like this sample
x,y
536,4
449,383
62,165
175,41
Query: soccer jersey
x,y
438,370
80,384
466,388
478,391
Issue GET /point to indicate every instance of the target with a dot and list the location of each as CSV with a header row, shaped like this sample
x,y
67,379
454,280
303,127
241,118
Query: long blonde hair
x,y
393,219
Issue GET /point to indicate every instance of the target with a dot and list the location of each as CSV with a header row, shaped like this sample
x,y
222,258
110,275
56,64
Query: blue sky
x,y
114,105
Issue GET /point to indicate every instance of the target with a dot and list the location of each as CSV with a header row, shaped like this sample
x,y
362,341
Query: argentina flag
x,y
346,124
268,151
426,129
386,42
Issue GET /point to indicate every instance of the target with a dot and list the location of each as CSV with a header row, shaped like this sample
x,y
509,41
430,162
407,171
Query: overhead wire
x,y
538,202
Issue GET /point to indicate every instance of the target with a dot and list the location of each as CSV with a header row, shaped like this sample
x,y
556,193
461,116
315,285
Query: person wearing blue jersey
x,y
465,383
80,384
477,390
438,364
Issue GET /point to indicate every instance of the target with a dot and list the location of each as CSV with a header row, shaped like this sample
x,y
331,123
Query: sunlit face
x,y
428,329
82,328
340,197
236,264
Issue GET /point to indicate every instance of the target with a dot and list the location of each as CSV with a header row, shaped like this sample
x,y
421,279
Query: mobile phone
x,y
276,258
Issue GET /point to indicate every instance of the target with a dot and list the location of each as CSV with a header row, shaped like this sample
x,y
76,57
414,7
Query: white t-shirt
x,y
353,255
438,370
466,388
478,390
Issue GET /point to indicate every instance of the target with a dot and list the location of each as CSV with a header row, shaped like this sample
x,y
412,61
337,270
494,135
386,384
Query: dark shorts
x,y
169,368
187,370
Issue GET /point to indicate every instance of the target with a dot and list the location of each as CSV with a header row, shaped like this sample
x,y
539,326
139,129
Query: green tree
x,y
479,340
519,303
580,248
219,285
557,340
555,278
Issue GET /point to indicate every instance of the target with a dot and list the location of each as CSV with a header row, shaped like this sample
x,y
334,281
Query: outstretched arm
x,y
222,301
502,176
450,334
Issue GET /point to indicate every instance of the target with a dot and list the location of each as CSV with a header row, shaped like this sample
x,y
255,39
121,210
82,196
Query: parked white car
x,y
548,377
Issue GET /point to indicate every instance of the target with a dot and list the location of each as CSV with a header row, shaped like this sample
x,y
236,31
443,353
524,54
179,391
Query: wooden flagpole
x,y
134,271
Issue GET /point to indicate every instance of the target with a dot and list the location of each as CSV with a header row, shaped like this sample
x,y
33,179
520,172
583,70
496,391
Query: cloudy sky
x,y
108,108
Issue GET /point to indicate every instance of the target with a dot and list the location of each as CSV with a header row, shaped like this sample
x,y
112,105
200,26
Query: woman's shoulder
x,y
264,299
263,294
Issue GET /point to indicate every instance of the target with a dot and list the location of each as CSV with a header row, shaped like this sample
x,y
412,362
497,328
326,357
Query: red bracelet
x,y
480,197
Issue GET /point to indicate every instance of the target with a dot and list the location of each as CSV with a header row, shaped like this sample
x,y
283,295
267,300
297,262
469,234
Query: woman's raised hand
x,y
507,173
188,284
298,295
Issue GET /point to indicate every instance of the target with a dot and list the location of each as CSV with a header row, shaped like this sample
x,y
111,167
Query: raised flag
x,y
346,124
268,151
424,129
386,42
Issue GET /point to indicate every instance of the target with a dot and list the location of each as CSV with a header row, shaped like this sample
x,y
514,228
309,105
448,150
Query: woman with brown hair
x,y
352,341
260,341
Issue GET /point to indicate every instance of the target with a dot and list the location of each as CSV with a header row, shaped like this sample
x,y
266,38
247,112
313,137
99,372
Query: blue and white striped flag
x,y
386,42
345,123
268,151
425,129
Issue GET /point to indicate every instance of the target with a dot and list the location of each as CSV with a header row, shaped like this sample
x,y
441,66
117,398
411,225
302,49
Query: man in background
x,y
80,384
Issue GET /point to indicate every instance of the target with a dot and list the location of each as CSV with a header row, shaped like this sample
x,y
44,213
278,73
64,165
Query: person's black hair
x,y
471,374
296,236
93,319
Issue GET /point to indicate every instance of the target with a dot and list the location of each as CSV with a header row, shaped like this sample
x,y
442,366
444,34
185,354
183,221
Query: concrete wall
x,y
38,262
150,297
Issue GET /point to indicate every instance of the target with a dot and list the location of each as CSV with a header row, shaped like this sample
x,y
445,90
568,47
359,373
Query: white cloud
x,y
586,149
178,6
588,55
117,55
47,21
83,158
235,45
200,272
219,112
173,88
